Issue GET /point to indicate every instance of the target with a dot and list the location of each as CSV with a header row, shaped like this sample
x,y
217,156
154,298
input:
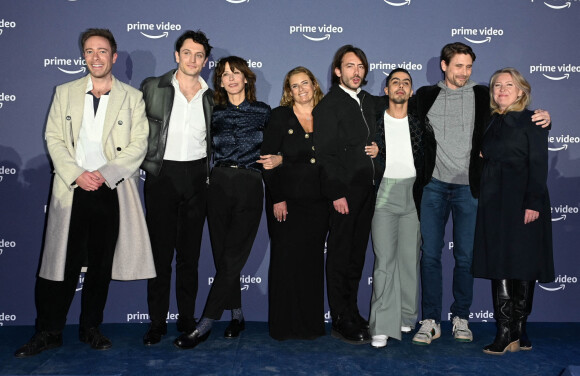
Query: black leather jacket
x,y
158,93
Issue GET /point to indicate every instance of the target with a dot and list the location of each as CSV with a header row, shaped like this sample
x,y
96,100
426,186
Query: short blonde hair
x,y
521,83
287,99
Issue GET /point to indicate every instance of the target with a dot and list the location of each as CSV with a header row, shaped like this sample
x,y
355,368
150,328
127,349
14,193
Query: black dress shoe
x,y
189,341
154,334
95,338
234,328
39,342
361,321
350,331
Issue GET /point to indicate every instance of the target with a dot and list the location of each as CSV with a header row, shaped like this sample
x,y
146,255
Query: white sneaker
x,y
379,341
461,331
429,331
406,329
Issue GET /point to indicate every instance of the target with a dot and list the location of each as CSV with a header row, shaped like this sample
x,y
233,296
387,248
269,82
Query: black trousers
x,y
93,233
235,202
176,210
346,249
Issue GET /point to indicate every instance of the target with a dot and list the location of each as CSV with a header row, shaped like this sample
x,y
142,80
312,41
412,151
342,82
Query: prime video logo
x,y
398,3
481,35
154,31
562,280
565,5
563,141
58,62
562,212
316,33
142,317
245,281
555,72
6,25
6,244
6,317
408,65
6,171
212,64
6,98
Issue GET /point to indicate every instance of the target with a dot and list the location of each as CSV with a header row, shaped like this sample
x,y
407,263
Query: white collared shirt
x,y
186,137
352,93
89,151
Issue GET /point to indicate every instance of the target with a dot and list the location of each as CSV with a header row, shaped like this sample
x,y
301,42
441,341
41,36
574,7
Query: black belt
x,y
183,163
230,165
254,167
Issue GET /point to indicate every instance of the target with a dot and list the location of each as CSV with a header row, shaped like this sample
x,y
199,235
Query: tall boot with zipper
x,y
523,298
506,338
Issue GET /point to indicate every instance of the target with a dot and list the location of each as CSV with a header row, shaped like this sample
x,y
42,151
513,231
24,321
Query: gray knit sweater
x,y
452,117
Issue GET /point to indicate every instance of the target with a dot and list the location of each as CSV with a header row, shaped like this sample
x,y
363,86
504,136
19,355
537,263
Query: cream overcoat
x,y
124,140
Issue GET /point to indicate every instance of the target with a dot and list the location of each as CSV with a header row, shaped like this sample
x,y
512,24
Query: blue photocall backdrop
x,y
39,44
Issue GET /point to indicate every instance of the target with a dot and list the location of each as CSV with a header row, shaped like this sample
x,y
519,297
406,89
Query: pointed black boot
x,y
523,298
506,338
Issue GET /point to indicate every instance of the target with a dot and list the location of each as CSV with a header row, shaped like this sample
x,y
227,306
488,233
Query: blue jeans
x,y
439,199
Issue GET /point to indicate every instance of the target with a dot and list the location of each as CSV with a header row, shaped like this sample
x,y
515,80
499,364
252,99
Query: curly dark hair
x,y
197,36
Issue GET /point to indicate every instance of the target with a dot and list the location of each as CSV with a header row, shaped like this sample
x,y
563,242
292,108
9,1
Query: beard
x,y
399,100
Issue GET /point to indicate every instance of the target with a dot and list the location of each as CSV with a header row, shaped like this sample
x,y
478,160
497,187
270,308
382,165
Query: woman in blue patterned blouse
x,y
235,196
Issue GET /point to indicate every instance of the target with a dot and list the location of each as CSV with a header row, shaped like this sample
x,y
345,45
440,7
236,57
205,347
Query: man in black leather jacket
x,y
179,106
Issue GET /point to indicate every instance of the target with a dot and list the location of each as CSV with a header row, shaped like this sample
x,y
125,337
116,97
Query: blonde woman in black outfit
x,y
297,214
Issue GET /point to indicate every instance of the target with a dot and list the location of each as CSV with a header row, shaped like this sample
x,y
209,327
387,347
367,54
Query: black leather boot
x,y
506,338
523,298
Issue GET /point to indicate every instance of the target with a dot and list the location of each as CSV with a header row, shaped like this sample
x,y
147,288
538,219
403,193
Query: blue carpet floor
x,y
556,346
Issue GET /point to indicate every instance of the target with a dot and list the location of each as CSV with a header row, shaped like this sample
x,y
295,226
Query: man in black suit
x,y
344,125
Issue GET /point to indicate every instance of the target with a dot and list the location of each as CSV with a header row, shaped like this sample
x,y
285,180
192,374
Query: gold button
x,y
312,147
306,135
312,160
290,131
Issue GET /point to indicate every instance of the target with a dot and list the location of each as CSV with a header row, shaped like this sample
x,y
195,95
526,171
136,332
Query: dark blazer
x,y
299,175
158,93
424,99
416,130
343,129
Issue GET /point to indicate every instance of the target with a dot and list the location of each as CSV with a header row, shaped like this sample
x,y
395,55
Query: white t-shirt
x,y
399,153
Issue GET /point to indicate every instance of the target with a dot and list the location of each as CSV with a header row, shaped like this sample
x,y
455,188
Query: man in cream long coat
x,y
95,214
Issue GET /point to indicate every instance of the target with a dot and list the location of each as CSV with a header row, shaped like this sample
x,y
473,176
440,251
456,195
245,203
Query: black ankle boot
x,y
523,298
506,338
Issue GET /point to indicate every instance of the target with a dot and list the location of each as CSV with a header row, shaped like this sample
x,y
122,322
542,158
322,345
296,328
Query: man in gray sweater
x,y
454,113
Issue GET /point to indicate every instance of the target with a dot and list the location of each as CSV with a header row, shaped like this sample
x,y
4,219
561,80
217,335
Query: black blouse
x,y
299,175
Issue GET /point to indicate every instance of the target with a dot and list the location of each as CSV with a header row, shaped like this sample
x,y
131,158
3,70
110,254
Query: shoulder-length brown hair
x,y
287,99
220,95
521,83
